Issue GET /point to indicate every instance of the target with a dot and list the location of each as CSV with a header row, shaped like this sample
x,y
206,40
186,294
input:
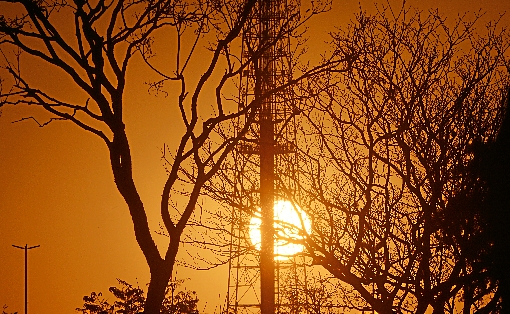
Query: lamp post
x,y
26,248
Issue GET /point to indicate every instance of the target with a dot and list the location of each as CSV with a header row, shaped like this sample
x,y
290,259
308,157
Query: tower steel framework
x,y
259,282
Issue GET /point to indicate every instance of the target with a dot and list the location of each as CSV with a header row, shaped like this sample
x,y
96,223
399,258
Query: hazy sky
x,y
57,191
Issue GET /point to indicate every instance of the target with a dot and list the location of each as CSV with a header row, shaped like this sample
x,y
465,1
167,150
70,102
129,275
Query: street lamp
x,y
26,248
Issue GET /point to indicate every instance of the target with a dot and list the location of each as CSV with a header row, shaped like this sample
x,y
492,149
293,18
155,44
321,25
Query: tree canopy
x,y
388,156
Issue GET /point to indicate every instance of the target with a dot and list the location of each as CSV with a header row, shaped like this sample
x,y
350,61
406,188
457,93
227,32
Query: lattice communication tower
x,y
262,282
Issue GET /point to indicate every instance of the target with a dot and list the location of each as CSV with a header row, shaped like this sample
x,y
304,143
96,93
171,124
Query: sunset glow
x,y
290,222
143,143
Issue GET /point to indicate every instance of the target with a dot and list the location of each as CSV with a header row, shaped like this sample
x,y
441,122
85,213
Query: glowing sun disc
x,y
288,221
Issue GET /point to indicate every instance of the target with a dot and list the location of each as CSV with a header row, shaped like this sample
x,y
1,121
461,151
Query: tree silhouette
x,y
95,56
495,173
388,147
96,60
486,199
131,300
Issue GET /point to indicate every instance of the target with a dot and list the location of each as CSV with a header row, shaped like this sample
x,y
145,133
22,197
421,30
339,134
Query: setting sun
x,y
289,220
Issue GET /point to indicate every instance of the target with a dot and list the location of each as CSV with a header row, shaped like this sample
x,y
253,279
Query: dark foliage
x,y
131,300
482,209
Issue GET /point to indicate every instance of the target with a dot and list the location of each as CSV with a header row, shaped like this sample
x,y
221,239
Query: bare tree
x,y
96,60
386,149
95,57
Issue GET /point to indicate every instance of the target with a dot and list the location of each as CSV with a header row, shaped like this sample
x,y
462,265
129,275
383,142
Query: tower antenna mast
x,y
270,143
265,77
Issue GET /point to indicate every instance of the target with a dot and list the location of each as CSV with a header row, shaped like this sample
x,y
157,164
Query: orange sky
x,y
57,190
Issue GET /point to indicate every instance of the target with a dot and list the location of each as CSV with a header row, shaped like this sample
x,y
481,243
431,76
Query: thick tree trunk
x,y
120,158
161,269
160,276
